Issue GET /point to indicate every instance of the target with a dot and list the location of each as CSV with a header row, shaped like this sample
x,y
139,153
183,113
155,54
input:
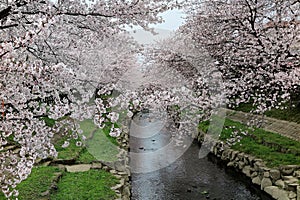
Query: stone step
x,y
78,168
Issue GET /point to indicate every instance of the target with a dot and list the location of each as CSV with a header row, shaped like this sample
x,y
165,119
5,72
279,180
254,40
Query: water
x,y
187,178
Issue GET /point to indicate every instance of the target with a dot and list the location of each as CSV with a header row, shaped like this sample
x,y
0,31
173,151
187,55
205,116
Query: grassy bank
x,y
290,114
90,185
93,184
273,148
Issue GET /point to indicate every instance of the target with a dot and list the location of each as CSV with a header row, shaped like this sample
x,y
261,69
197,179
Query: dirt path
x,y
285,128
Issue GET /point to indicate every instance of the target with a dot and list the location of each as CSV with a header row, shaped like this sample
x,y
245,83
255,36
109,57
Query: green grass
x,y
261,144
85,157
101,147
38,182
89,127
93,184
90,185
71,152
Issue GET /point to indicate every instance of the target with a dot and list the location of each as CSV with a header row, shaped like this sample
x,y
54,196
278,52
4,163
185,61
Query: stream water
x,y
186,178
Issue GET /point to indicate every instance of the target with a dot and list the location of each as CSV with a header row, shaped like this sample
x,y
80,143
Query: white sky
x,y
173,19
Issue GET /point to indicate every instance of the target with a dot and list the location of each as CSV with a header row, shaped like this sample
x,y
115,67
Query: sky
x,y
173,19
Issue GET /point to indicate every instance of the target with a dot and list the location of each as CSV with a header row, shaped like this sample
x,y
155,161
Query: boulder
x,y
275,174
226,154
280,183
266,174
254,174
288,170
241,165
247,170
277,193
297,174
233,155
256,180
292,195
258,166
78,168
96,166
265,182
230,164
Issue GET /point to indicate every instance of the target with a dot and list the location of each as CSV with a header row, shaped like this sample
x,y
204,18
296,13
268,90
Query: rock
x,y
254,174
277,193
258,166
246,160
233,155
118,176
241,165
251,160
280,183
226,154
61,167
247,171
119,166
296,174
292,186
126,193
266,174
256,180
265,182
288,170
46,193
46,163
274,174
292,195
117,187
78,168
96,166
112,171
298,193
289,180
122,173
241,156
230,164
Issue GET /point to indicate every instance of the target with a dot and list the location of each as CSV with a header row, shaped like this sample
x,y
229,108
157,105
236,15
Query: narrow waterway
x,y
187,178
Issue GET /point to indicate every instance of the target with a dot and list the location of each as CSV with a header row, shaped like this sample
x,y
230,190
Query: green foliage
x,y
90,185
49,122
273,148
106,131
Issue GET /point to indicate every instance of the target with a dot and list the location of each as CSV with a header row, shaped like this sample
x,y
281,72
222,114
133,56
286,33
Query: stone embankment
x,y
120,169
281,183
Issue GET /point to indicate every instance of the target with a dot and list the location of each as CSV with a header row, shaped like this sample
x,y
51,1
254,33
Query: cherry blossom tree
x,y
44,50
256,45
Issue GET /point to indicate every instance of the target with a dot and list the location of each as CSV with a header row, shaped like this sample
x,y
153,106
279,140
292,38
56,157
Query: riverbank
x,y
100,162
269,160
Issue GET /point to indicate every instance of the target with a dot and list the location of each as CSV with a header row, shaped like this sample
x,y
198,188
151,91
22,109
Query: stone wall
x,y
281,183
